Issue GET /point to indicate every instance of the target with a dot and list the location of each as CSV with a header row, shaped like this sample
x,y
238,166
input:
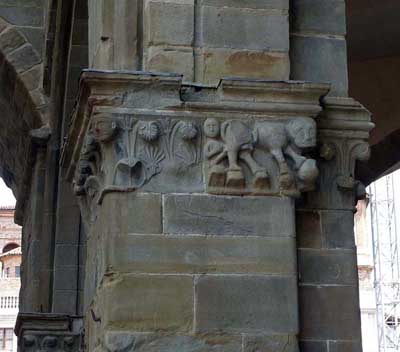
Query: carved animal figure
x,y
288,139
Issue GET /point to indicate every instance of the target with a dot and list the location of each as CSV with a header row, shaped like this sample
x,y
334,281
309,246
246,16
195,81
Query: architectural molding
x,y
49,332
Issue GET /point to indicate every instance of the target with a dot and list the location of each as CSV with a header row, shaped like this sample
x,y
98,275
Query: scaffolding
x,y
384,194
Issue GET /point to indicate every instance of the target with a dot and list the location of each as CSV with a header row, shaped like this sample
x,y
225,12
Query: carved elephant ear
x,y
130,173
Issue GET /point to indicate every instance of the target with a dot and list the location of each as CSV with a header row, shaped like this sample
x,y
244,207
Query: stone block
x,y
327,17
117,341
3,25
201,254
322,60
23,3
10,40
148,303
329,312
338,229
64,301
313,346
246,304
328,267
214,64
65,255
308,229
66,278
68,223
23,16
24,58
249,4
345,346
131,213
79,56
35,36
241,28
171,60
274,343
169,22
32,77
224,215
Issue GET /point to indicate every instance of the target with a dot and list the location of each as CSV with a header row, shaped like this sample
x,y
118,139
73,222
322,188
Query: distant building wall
x,y
10,284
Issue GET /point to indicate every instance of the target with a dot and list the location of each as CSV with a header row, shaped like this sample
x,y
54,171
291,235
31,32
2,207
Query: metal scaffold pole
x,y
384,230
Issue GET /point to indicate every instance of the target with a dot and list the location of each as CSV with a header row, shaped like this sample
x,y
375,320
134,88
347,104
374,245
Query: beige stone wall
x,y
203,40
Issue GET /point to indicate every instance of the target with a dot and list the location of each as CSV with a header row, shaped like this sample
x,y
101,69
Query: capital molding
x,y
49,332
344,126
151,133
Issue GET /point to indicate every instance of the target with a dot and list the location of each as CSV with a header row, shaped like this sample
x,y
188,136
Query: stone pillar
x,y
328,287
187,195
113,34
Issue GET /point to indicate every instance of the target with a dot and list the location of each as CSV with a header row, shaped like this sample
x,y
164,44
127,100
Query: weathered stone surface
x,y
314,346
163,59
338,229
24,58
345,346
216,63
65,254
328,267
169,22
201,254
10,40
23,16
64,301
320,60
32,77
263,304
249,4
131,213
273,343
3,25
232,27
148,303
35,36
328,17
308,229
66,278
224,215
329,312
116,341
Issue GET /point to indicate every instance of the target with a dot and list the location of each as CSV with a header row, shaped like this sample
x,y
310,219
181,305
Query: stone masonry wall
x,y
202,39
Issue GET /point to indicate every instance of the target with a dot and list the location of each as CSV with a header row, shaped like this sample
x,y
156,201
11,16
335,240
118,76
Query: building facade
x,y
10,265
186,171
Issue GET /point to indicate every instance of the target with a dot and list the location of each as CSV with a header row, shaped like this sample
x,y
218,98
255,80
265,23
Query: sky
x,y
6,196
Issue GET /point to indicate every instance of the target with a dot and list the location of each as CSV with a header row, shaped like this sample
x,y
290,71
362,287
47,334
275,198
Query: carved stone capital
x,y
49,332
343,133
146,133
